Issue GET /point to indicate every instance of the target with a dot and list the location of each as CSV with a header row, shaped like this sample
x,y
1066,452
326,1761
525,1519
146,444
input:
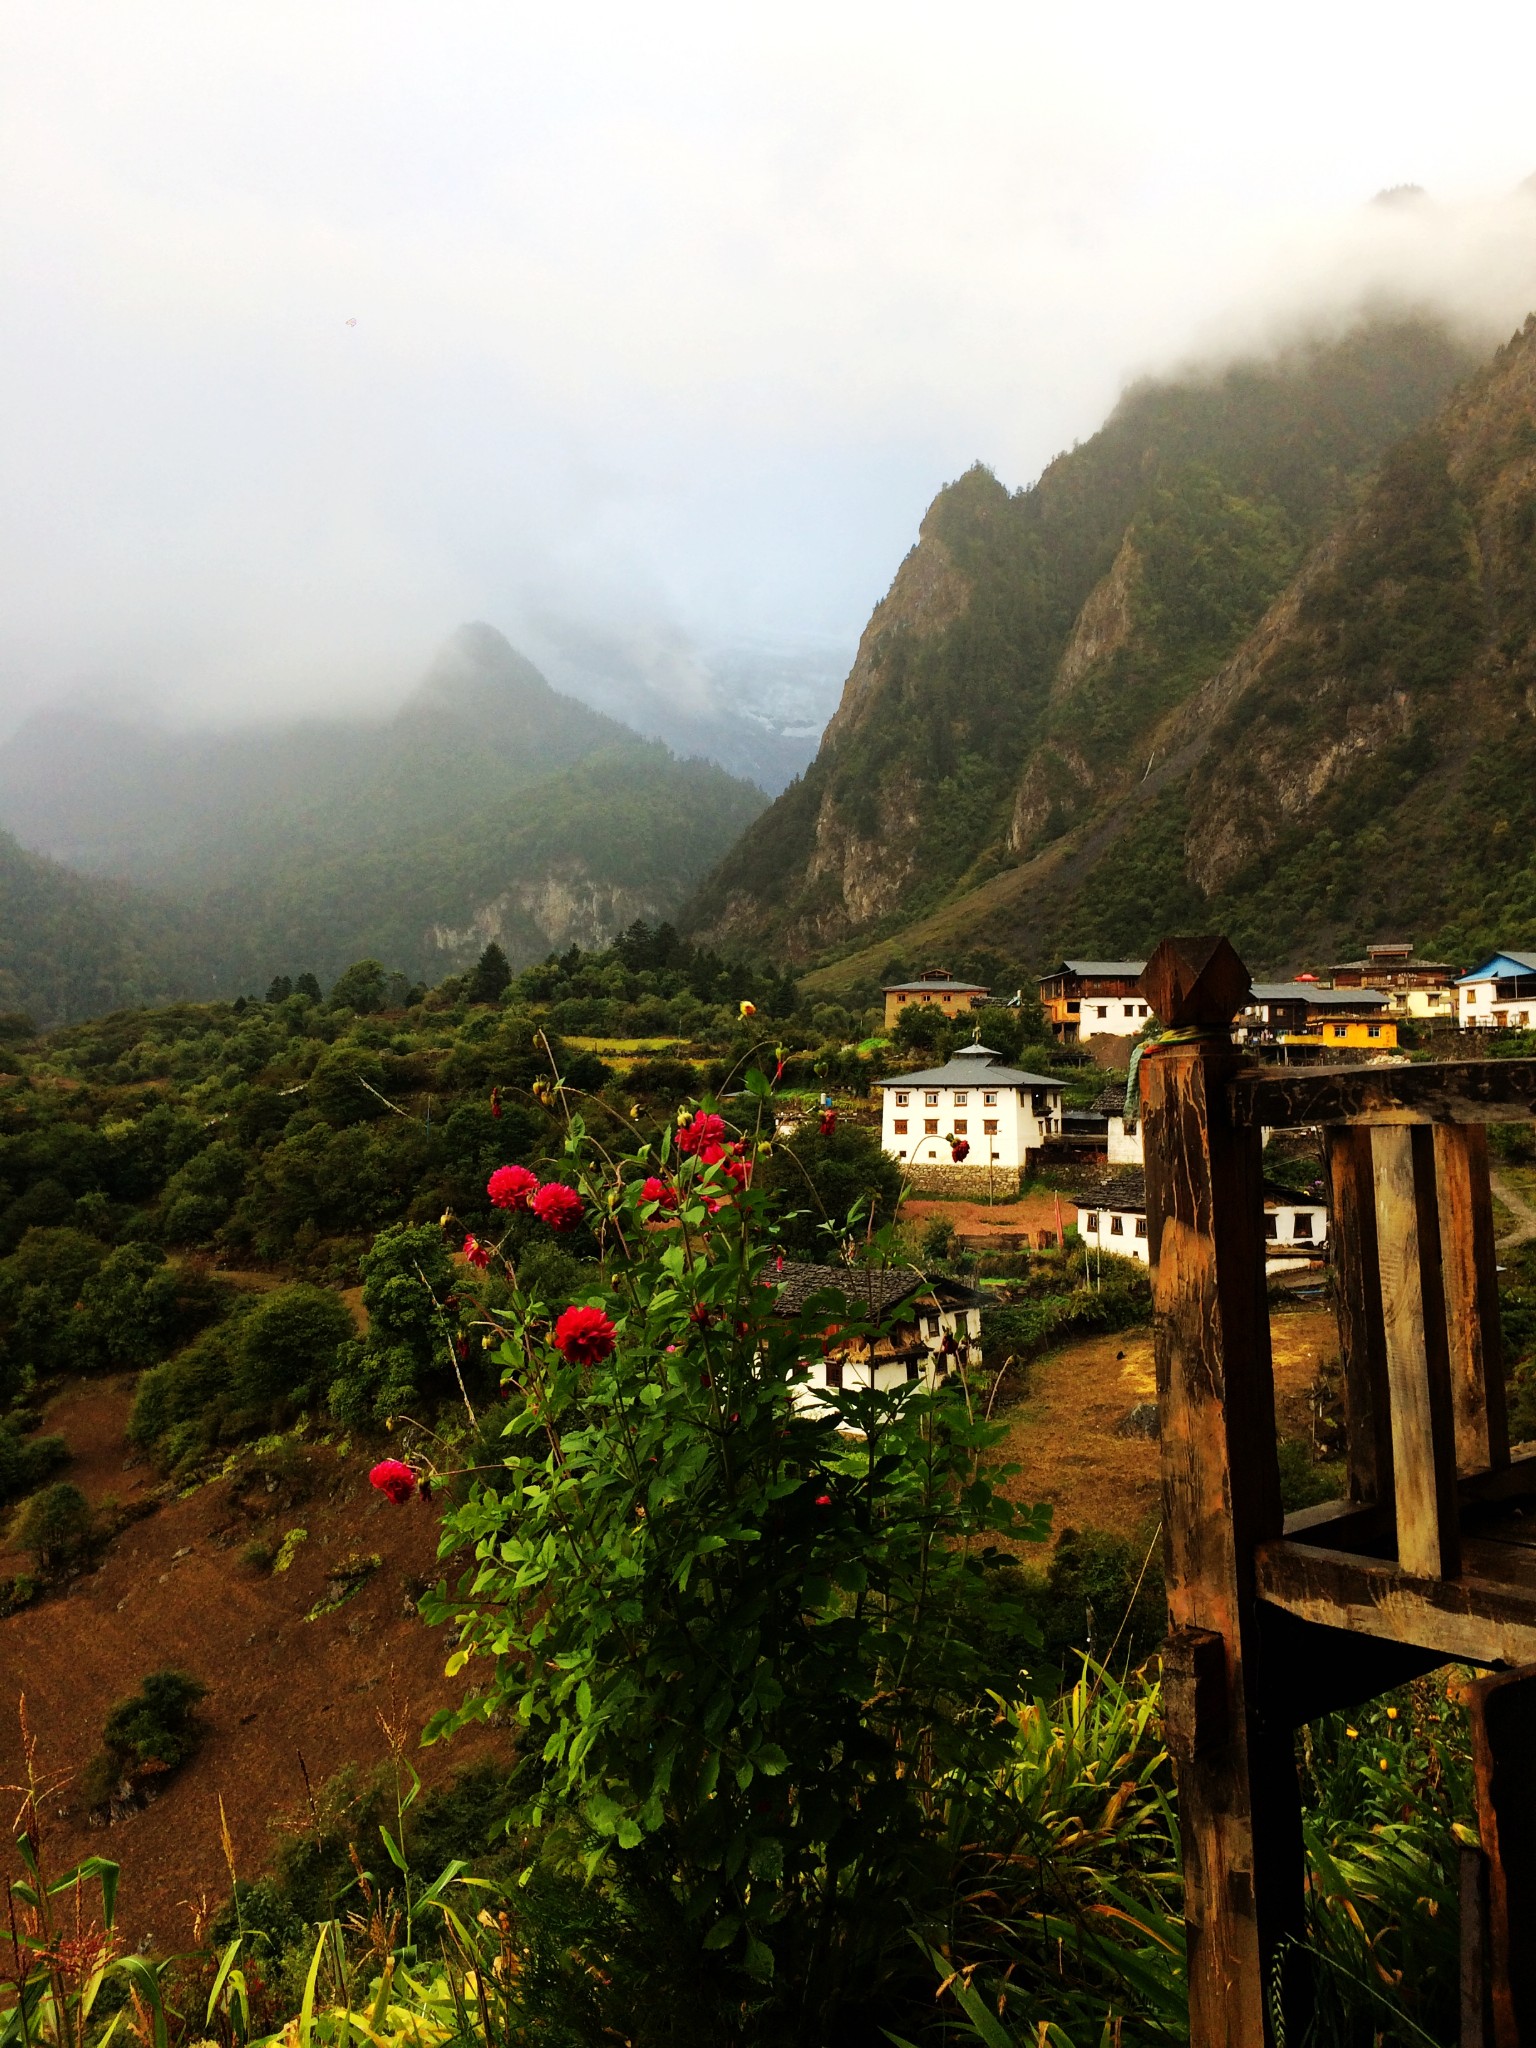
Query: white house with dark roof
x,y
1112,1217
999,1114
1500,995
879,1329
1094,999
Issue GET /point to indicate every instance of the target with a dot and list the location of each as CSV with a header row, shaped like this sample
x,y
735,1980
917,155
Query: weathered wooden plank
x,y
1478,1618
1469,1268
1442,1091
1370,1527
1502,1711
1357,1300
1418,1357
1238,1798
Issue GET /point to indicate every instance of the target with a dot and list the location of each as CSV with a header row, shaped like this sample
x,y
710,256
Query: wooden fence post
x,y
1239,1805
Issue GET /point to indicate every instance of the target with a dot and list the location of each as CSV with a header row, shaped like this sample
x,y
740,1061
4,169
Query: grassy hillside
x,y
1016,678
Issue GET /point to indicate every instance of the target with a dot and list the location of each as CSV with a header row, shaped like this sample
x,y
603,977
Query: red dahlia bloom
x,y
511,1187
478,1254
711,1154
556,1205
700,1130
585,1335
394,1478
655,1190
828,1122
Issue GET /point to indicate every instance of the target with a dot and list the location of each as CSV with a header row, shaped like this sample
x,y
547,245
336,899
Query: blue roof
x,y
1500,966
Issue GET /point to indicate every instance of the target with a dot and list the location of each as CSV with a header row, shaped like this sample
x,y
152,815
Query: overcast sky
x,y
324,326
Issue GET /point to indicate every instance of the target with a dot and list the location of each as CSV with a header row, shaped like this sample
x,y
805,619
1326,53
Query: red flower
x,y
700,1314
823,1500
700,1130
511,1187
655,1190
778,1074
495,1102
959,1148
395,1479
585,1335
740,1171
828,1122
711,1153
478,1254
558,1206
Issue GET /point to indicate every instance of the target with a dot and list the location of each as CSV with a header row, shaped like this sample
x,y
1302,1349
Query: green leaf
x,y
770,1760
722,1934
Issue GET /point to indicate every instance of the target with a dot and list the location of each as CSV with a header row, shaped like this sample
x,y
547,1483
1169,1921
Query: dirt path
x,y
1518,1207
1063,1435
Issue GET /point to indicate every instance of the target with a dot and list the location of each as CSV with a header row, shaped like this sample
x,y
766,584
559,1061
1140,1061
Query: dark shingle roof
x,y
868,1290
971,1066
964,988
1117,970
1120,1191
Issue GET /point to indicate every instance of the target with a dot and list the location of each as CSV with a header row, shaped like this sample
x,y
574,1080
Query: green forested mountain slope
x,y
1013,685
489,807
72,946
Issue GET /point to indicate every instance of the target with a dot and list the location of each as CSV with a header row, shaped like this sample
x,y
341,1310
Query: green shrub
x,y
26,1462
190,1393
145,1736
407,1355
287,1345
54,1525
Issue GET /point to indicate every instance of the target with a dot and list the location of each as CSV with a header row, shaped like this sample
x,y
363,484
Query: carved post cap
x,y
1195,982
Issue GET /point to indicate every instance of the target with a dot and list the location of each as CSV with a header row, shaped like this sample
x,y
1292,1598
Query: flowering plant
x,y
737,1627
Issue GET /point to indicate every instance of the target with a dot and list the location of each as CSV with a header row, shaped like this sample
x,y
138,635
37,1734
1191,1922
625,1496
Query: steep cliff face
x,y
1019,675
1364,761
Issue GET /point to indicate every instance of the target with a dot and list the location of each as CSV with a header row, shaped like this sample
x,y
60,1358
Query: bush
x,y
406,1356
25,1462
145,1736
816,1183
55,1526
286,1350
189,1394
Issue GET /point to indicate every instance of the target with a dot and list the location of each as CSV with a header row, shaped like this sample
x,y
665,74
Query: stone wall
x,y
974,1182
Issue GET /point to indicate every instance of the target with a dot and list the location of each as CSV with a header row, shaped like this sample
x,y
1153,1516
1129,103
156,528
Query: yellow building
x,y
1306,1013
933,988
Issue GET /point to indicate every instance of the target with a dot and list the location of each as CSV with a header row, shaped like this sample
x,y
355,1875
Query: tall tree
x,y
490,977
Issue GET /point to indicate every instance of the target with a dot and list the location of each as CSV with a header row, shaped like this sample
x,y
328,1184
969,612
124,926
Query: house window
x,y
1130,1009
1339,1030
989,1097
1073,1008
834,1372
1373,1030
1143,1010
900,1127
1116,1226
1091,1220
902,1098
1141,1226
1102,1008
930,1127
962,1126
931,1097
1271,1226
989,1126
961,1098
1301,1223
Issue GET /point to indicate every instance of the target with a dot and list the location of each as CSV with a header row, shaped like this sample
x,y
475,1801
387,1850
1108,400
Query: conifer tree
x,y
490,978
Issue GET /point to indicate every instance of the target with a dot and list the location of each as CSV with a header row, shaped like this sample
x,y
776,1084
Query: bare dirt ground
x,y
1062,1434
1033,1212
286,1695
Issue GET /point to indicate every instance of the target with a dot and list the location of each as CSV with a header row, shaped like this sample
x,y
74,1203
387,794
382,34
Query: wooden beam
x,y
1418,1355
1487,1616
1502,1711
1239,1806
1357,1300
1443,1091
1469,1266
1369,1528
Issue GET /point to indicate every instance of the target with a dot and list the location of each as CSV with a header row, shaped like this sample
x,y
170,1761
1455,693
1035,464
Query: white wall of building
x,y
1111,1016
1123,1143
1019,1130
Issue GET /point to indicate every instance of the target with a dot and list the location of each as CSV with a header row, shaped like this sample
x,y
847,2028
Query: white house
x,y
1094,999
1122,1134
930,1328
1113,1218
1499,995
998,1114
